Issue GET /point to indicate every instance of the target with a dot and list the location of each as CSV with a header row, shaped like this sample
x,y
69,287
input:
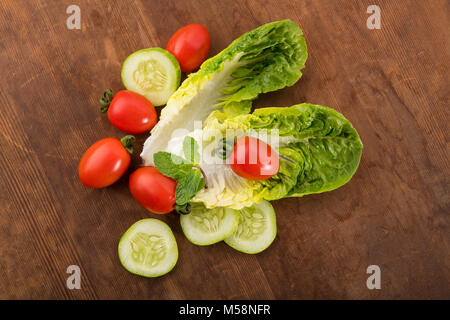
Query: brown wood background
x,y
393,84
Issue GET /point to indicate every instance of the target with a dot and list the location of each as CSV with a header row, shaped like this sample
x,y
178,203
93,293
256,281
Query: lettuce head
x,y
265,59
318,148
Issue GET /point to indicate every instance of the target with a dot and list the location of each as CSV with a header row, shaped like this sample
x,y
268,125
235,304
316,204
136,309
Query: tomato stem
x,y
106,100
127,143
183,209
225,148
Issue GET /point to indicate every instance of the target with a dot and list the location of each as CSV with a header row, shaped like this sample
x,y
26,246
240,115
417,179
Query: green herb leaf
x,y
188,187
201,185
191,150
190,179
171,165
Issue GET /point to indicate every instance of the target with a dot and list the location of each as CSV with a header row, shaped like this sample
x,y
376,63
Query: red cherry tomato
x,y
103,163
254,160
129,111
154,191
190,45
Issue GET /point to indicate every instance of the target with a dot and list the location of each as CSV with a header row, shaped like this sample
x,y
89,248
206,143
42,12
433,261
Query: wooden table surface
x,y
392,84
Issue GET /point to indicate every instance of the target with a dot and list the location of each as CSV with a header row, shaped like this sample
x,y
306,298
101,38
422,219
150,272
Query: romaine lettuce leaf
x,y
318,147
265,59
328,144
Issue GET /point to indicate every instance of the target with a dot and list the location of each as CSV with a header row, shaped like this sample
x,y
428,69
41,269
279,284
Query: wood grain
x,y
391,83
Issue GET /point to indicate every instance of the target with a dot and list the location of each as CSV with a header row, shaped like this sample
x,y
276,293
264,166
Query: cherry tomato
x,y
154,191
103,163
129,111
253,159
190,45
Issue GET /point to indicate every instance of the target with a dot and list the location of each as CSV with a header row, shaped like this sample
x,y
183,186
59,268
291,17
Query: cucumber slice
x,y
256,230
207,226
148,248
153,73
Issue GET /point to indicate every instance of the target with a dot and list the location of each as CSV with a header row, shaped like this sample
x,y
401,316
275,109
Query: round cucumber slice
x,y
207,226
153,73
148,248
256,230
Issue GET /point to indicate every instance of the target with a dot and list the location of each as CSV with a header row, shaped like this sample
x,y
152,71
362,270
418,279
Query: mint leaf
x,y
191,150
190,180
201,185
171,165
188,186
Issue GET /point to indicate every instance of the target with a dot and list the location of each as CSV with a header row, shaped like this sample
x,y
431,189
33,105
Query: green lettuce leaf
x,y
329,147
265,59
318,147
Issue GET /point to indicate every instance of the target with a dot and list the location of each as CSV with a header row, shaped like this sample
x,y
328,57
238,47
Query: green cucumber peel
x,y
154,73
148,248
256,229
205,226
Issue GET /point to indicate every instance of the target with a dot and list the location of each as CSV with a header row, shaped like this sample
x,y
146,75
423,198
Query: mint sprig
x,y
171,165
186,172
188,186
